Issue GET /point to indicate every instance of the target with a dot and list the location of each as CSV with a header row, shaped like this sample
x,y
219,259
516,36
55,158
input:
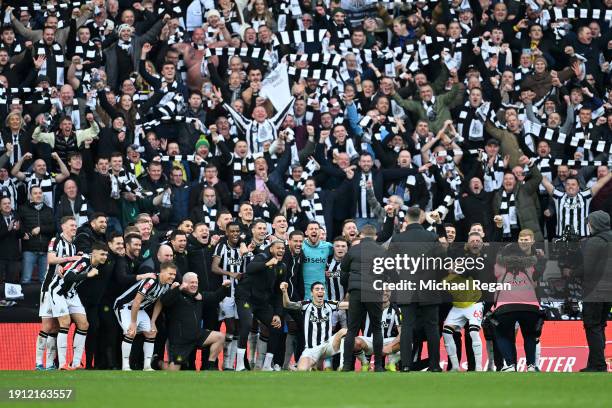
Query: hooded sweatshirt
x,y
597,259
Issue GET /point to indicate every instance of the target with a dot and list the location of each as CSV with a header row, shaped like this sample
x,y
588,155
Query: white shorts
x,y
143,321
321,351
458,316
339,316
44,310
368,341
227,309
62,305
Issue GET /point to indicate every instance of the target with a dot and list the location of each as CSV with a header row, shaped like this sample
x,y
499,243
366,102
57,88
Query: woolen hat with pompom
x,y
202,141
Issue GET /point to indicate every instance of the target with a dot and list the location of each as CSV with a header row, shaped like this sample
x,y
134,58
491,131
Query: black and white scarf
x,y
12,49
520,74
494,175
582,132
470,124
79,213
56,77
87,51
429,108
97,31
542,132
46,184
71,110
313,207
243,167
343,34
210,216
177,36
214,35
172,8
262,211
124,182
8,188
125,45
309,169
296,37
507,209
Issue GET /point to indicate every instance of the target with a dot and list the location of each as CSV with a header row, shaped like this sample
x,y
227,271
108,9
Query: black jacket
x,y
32,218
417,242
260,284
356,272
294,276
119,275
199,259
99,195
85,237
9,241
184,313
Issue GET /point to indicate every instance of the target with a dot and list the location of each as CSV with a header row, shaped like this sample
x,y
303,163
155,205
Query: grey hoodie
x,y
599,221
597,257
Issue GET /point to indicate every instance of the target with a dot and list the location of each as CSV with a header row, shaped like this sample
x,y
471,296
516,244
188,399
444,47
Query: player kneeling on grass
x,y
183,306
130,311
466,308
319,342
66,304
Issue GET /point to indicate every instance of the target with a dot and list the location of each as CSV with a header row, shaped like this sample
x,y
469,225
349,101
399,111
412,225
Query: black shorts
x,y
179,353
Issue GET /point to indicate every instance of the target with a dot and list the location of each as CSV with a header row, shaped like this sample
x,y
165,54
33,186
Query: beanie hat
x,y
202,141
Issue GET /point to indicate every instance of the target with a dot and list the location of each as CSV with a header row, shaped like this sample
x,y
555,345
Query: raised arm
x,y
32,35
142,68
600,183
43,137
278,119
287,303
548,185
64,172
16,171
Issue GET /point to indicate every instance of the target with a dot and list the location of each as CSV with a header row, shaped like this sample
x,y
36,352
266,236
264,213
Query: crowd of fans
x,y
156,117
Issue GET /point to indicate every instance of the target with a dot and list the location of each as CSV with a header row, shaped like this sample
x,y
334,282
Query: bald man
x,y
183,305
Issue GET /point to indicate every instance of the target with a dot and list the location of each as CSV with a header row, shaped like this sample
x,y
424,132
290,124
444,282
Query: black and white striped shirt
x,y
572,211
60,247
231,261
335,289
66,285
150,288
318,322
389,323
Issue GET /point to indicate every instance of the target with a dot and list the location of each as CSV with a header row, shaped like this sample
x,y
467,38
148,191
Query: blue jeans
x,y
29,260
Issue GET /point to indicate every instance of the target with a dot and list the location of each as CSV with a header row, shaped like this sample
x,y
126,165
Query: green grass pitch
x,y
316,389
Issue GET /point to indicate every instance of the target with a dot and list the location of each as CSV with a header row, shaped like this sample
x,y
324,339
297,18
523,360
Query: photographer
x,y
596,294
516,265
